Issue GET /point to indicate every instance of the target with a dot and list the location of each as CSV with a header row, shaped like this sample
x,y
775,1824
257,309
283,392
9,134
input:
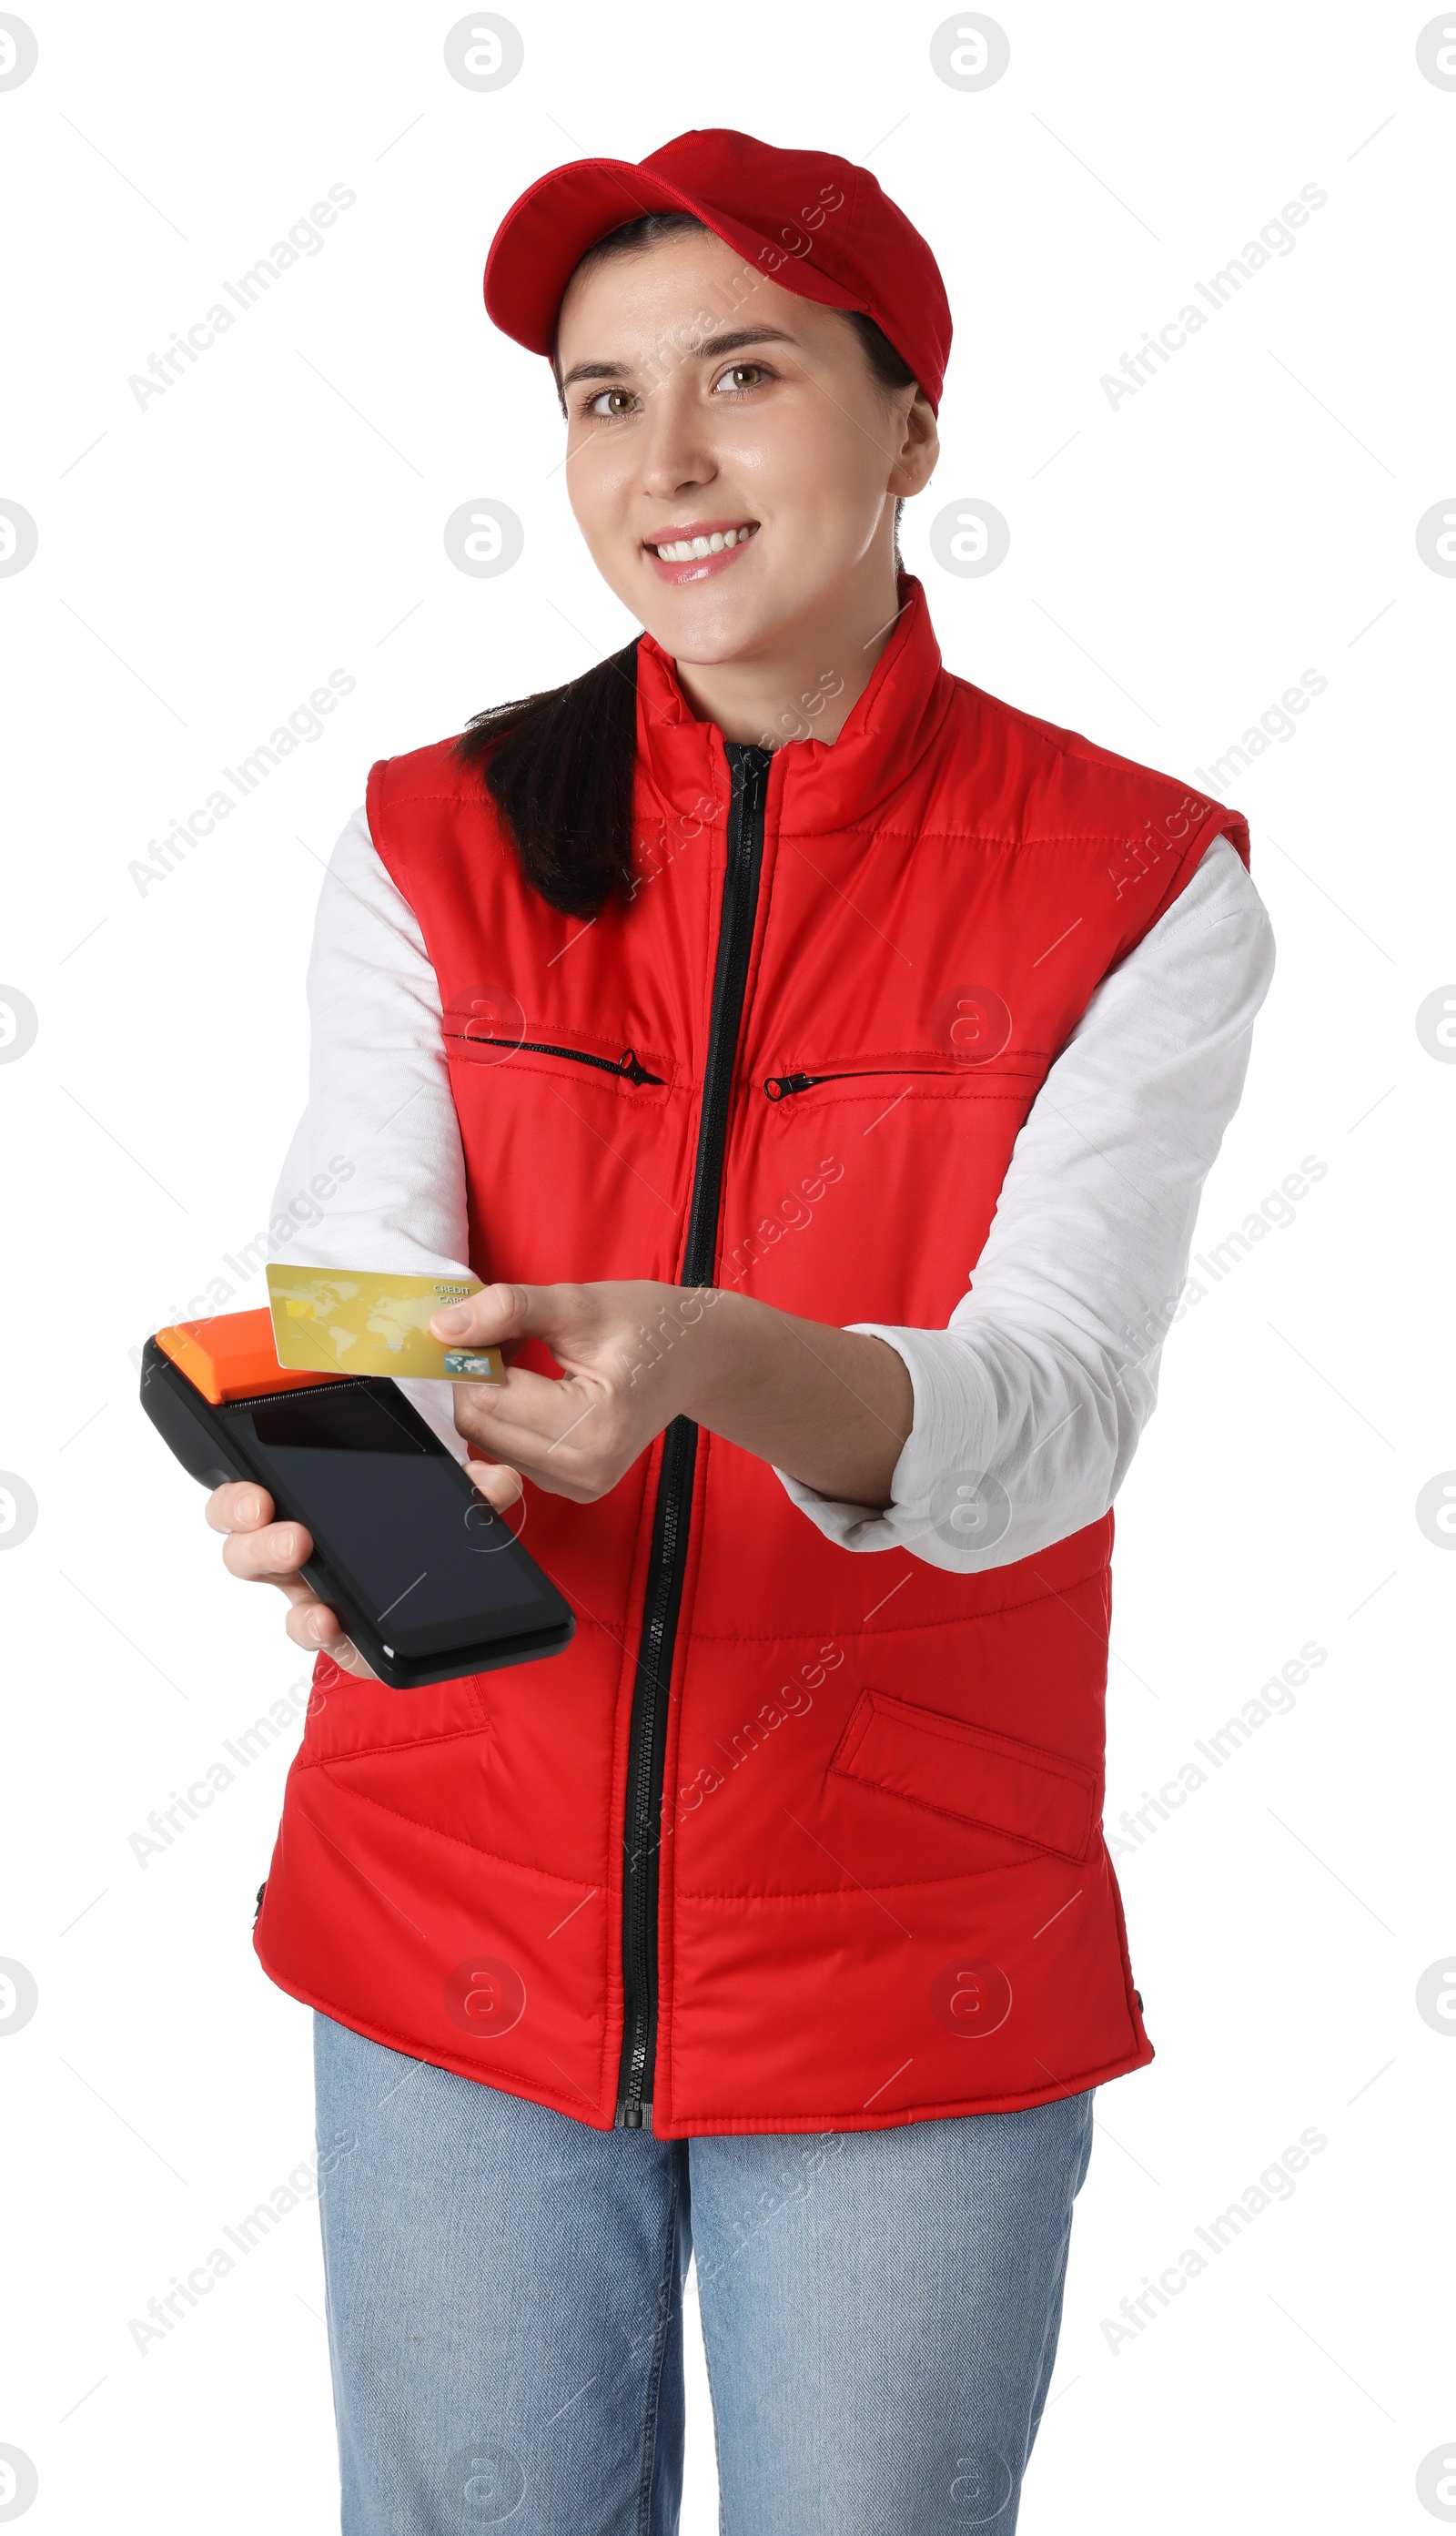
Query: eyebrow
x,y
712,348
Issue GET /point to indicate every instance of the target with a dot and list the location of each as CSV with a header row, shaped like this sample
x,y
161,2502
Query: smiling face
x,y
734,475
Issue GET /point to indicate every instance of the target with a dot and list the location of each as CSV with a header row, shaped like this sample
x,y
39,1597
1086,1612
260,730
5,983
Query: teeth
x,y
690,549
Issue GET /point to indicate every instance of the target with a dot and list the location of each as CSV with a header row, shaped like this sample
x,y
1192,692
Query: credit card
x,y
365,1320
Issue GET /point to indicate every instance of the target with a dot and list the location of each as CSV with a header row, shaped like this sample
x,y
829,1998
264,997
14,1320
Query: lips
x,y
695,548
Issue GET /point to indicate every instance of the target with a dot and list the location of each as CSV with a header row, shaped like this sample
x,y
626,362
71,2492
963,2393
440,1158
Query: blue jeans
x,y
505,2288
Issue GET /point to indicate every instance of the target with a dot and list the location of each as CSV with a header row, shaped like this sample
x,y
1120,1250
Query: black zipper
x,y
781,1087
748,768
628,1065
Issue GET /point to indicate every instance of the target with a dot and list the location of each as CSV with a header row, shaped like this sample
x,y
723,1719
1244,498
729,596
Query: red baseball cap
x,y
816,225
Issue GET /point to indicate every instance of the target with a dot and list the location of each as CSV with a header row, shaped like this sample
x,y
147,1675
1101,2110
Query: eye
x,y
740,376
611,404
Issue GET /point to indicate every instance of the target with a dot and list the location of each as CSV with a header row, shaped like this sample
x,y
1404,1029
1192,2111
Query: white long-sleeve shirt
x,y
1028,1406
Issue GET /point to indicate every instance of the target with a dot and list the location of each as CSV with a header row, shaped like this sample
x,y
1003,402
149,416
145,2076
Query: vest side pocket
x,y
971,1773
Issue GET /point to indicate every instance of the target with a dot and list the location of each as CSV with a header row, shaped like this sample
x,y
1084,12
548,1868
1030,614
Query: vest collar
x,y
814,786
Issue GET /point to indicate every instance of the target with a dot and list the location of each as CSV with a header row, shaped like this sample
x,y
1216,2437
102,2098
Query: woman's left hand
x,y
632,1353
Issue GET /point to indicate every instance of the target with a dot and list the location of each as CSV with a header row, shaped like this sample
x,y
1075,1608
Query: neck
x,y
807,677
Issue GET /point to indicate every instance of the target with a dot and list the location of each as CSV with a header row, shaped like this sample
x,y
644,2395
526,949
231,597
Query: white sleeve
x,y
1028,1407
380,1120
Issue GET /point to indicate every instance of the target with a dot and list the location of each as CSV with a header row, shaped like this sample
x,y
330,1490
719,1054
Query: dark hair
x,y
559,766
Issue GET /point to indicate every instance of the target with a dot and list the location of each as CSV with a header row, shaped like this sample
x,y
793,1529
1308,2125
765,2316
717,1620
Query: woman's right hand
x,y
266,1553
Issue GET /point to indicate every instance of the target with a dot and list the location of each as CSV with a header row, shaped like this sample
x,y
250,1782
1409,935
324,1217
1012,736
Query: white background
x,y
1175,563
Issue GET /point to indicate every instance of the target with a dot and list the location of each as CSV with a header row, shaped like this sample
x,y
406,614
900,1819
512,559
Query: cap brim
x,y
544,236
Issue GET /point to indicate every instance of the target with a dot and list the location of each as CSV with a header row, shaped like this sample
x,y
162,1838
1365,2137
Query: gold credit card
x,y
363,1320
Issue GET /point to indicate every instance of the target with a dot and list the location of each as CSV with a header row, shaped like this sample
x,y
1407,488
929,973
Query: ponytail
x,y
559,768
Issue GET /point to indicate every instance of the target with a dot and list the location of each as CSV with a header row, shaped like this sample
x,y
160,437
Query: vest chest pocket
x,y
900,1074
488,1027
963,1038
990,1780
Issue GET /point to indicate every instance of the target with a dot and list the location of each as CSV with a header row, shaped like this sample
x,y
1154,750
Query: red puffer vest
x,y
791,1838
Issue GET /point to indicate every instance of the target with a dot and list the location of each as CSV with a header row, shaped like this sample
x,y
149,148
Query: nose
x,y
676,451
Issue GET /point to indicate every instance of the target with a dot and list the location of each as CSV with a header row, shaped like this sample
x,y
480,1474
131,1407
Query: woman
x,y
710,1008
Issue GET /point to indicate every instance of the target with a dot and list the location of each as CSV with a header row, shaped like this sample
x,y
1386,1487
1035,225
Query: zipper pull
x,y
779,1086
633,1068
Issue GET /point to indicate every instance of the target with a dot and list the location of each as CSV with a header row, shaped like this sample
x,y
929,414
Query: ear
x,y
918,453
